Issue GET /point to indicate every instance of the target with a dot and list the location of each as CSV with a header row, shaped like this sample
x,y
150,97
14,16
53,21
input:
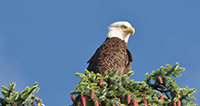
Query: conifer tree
x,y
159,89
24,98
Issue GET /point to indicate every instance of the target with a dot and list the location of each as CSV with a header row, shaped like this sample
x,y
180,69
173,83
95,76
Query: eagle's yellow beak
x,y
129,30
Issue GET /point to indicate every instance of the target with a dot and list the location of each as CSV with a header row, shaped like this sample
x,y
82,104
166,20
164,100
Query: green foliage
x,y
115,90
169,88
24,98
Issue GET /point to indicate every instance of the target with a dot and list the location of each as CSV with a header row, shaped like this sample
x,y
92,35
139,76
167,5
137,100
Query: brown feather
x,y
112,54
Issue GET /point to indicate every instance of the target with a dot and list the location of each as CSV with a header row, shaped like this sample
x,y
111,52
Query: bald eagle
x,y
113,53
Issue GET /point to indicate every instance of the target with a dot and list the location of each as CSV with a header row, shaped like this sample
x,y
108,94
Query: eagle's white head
x,y
121,29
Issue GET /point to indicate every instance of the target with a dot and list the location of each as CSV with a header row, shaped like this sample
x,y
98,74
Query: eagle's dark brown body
x,y
112,54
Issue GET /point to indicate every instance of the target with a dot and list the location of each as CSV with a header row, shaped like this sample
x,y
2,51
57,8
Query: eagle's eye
x,y
123,27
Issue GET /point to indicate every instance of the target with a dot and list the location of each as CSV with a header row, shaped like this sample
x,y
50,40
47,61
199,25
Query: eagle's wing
x,y
112,54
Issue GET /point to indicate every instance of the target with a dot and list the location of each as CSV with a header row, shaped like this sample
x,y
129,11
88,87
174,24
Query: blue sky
x,y
49,41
